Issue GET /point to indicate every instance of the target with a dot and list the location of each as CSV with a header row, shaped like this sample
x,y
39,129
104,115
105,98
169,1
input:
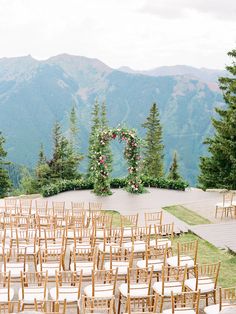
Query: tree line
x,y
217,169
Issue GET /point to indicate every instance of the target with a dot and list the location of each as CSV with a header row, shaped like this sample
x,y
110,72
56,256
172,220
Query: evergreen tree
x,y
173,171
218,169
104,125
42,171
96,125
5,183
153,153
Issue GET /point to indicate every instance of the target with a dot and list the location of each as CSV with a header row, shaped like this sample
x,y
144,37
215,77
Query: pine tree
x,y
218,169
42,171
173,171
104,125
5,183
96,125
153,153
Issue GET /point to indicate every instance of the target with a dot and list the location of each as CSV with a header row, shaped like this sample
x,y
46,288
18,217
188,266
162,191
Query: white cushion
x,y
114,247
205,284
179,311
83,247
15,268
139,246
4,294
122,267
32,293
50,268
184,261
87,268
156,263
69,293
225,205
139,290
101,291
169,286
127,232
30,249
160,243
215,308
99,234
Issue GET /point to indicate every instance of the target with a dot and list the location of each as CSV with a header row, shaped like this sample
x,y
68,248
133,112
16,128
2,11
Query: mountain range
x,y
34,94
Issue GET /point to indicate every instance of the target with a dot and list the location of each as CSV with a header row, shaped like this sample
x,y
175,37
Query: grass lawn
x,y
186,215
207,253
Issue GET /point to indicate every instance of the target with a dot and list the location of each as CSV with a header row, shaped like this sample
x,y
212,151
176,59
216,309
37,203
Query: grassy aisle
x,y
186,215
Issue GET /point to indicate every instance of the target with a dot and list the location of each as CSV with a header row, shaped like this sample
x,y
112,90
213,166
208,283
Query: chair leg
x,y
206,299
119,303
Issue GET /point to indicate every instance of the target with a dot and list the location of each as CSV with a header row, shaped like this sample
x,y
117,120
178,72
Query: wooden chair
x,y
129,220
58,209
6,292
226,207
51,260
227,301
120,260
68,287
163,235
186,255
10,307
84,259
41,208
77,207
138,286
50,307
103,285
205,280
138,306
154,218
95,305
25,206
172,281
95,206
33,285
10,205
14,262
186,302
155,257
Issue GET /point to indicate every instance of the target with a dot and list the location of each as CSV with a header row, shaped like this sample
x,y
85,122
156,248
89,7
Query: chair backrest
x,y
227,298
185,301
206,274
68,279
129,220
142,276
227,197
97,305
173,276
34,279
41,207
95,206
11,307
5,282
156,253
151,304
189,249
25,206
154,218
10,203
107,280
50,306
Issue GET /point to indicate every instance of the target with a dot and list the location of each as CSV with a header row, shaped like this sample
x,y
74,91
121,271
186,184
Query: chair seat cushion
x,y
205,284
224,205
161,243
169,286
127,232
184,261
69,293
87,268
30,248
156,263
122,267
15,268
32,293
106,248
50,268
179,311
139,246
101,291
4,294
215,308
139,290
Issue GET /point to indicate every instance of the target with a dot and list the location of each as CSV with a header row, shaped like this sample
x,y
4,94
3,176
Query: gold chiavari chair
x,y
153,218
227,302
95,305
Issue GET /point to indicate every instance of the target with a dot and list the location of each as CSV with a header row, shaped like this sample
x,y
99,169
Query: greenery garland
x,y
131,153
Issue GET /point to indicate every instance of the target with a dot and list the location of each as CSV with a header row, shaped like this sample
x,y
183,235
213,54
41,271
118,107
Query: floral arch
x,y
131,153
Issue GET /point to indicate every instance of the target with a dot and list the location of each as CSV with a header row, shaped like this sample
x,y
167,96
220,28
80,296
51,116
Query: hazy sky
x,y
141,34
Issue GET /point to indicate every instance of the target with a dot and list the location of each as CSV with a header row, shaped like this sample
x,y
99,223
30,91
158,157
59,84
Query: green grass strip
x,y
186,215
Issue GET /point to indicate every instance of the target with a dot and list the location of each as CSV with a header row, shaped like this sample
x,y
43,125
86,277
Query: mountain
x,y
34,94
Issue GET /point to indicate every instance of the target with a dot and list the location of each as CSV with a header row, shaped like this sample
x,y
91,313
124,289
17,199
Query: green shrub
x,y
86,184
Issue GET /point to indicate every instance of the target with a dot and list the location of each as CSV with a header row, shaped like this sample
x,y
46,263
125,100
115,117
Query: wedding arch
x,y
131,153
